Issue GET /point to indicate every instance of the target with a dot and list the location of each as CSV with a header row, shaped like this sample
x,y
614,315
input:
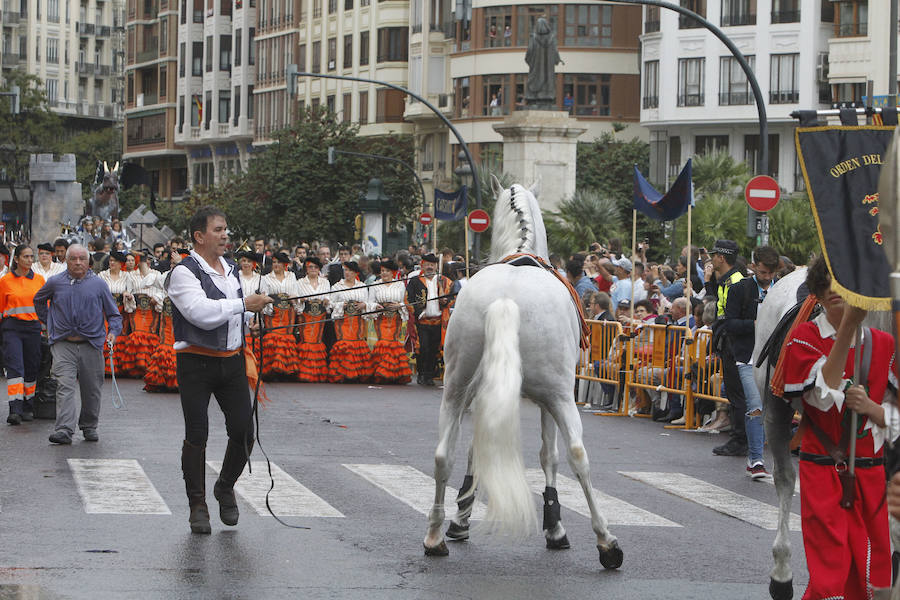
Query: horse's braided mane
x,y
526,234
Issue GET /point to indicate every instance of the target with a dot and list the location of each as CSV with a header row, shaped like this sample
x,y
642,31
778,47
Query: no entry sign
x,y
479,220
762,193
425,219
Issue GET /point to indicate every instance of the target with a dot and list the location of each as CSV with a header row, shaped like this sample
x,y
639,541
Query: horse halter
x,y
521,214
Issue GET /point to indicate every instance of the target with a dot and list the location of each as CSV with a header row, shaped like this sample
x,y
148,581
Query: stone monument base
x,y
542,144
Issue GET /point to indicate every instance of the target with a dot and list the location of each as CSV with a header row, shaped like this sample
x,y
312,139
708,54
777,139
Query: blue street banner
x,y
668,206
451,206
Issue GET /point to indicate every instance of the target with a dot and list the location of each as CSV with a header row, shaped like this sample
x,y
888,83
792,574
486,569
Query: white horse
x,y
514,333
778,416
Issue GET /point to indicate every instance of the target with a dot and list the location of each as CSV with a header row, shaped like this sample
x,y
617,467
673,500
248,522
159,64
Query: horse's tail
x,y
498,468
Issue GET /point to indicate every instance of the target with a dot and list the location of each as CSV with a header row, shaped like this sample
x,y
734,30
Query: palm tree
x,y
584,218
718,172
792,230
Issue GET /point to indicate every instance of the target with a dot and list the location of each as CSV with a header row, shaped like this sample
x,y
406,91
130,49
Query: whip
x,y
117,399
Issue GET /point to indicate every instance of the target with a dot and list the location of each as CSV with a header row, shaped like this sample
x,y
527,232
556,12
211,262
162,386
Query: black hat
x,y
429,258
352,265
117,256
725,247
45,247
282,258
312,260
387,263
253,256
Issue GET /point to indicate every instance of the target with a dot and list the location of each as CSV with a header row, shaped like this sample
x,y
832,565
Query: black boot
x,y
15,412
232,466
28,409
193,465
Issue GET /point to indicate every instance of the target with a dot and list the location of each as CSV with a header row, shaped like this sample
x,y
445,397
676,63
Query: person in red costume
x,y
847,549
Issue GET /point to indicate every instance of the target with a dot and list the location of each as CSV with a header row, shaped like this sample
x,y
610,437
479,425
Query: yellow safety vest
x,y
723,292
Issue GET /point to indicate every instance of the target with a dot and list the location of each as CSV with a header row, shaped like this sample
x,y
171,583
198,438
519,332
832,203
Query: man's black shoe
x,y
428,382
660,414
60,437
90,435
733,447
14,419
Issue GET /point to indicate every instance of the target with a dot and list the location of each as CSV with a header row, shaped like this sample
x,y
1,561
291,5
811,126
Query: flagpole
x,y
633,253
687,274
466,229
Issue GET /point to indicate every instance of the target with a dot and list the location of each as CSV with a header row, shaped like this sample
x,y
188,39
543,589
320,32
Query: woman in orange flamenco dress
x,y
144,336
121,285
350,360
160,375
279,347
314,310
389,359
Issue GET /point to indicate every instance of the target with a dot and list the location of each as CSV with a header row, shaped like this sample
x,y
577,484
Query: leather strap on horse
x,y
776,384
585,338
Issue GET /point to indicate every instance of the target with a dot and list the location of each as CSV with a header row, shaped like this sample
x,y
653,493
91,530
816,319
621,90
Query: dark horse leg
x,y
458,530
554,532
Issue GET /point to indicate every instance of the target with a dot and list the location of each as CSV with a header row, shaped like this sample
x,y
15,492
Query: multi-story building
x,y
75,48
696,98
150,93
857,51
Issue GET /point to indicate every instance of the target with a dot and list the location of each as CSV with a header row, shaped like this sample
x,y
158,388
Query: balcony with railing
x,y
784,97
735,98
785,16
11,18
650,102
147,99
84,68
851,30
738,19
691,100
53,18
152,51
651,26
10,59
102,70
85,28
103,30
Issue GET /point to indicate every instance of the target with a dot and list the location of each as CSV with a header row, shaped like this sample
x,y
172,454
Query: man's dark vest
x,y
185,331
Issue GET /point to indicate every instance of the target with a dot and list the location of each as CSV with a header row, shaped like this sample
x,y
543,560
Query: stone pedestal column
x,y
541,144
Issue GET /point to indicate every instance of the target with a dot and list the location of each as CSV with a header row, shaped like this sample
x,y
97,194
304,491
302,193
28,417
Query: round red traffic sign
x,y
425,219
762,193
479,220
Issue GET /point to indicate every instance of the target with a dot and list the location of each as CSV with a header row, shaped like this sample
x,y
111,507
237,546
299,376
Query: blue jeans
x,y
755,432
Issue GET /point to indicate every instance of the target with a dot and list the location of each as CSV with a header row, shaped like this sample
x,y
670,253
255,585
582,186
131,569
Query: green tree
x,y
792,231
606,166
719,173
35,130
586,217
90,146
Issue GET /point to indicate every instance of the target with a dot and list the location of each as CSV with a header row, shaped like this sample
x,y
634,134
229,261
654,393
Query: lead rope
x,y
255,416
117,399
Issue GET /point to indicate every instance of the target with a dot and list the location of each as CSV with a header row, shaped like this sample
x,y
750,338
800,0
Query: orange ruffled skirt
x,y
311,351
351,362
391,364
161,373
279,348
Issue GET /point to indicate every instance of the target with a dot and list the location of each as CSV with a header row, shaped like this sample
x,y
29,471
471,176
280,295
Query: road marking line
x,y
116,487
616,511
411,486
289,498
712,496
771,481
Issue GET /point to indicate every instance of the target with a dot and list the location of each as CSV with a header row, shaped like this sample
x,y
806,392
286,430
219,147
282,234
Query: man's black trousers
x,y
429,346
226,378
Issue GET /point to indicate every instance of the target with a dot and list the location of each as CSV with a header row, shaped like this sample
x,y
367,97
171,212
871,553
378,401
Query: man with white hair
x,y
80,314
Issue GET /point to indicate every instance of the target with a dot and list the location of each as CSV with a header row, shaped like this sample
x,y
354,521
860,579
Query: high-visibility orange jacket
x,y
17,295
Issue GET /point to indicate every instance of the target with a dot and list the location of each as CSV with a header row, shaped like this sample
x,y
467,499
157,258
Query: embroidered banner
x,y
841,167
451,206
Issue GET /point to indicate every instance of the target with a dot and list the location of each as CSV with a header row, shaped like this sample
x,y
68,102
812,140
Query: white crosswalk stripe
x,y
116,487
712,496
289,498
411,486
617,512
771,481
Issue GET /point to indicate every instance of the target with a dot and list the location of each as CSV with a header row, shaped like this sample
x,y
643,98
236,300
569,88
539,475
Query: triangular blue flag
x,y
668,206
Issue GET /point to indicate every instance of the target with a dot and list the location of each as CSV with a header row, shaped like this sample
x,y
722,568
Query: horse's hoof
x,y
560,544
457,533
611,557
439,550
781,590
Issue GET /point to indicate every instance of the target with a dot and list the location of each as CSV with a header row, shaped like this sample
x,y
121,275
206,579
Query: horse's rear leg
x,y
778,433
569,422
448,425
458,529
553,529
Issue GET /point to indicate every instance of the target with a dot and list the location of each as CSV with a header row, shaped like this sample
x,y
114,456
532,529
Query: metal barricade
x,y
602,362
659,360
706,379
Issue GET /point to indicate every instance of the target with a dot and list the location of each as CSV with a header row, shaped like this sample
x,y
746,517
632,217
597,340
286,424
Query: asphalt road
x,y
350,458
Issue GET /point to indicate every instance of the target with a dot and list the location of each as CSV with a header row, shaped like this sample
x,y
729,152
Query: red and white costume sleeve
x,y
847,550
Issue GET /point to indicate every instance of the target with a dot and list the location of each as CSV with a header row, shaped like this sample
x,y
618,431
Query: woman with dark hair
x,y
21,334
848,550
389,359
279,348
313,312
350,359
121,285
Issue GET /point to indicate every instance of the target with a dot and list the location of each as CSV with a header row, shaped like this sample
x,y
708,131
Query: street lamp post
x,y
464,171
291,72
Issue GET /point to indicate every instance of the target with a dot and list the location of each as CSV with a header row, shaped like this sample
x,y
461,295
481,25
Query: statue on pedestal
x,y
542,57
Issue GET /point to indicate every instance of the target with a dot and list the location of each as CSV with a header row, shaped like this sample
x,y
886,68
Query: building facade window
x,y
390,105
317,9
346,108
462,105
317,57
691,81
332,6
738,12
146,130
332,54
751,153
493,89
363,48
363,108
651,21
589,25
851,18
251,47
301,57
209,53
710,144
52,90
52,50
224,106
497,21
697,6
348,51
225,53
197,59
527,17
589,94
393,44
734,87
848,95
784,79
163,74
651,84
785,11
